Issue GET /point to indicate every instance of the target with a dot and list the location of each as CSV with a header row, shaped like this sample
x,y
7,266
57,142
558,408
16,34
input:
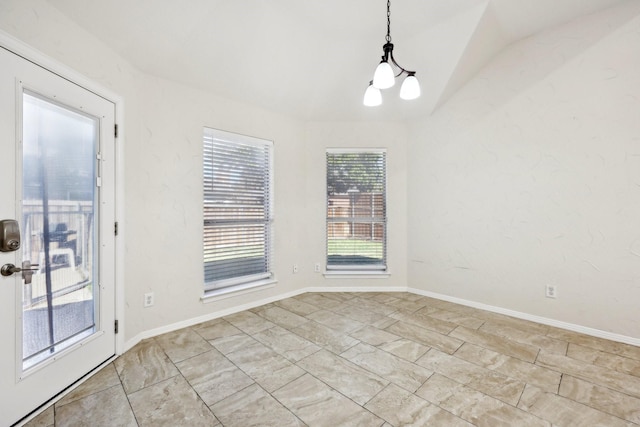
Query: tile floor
x,y
362,359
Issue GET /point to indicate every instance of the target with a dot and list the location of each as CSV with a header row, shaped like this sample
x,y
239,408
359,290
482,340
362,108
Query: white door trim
x,y
33,55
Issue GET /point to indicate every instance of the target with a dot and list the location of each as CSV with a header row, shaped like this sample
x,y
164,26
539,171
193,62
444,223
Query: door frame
x,y
31,54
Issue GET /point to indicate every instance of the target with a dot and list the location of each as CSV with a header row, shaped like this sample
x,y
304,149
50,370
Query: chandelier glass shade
x,y
387,72
384,77
372,96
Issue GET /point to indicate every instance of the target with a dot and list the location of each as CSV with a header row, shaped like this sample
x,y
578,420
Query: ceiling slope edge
x,y
485,40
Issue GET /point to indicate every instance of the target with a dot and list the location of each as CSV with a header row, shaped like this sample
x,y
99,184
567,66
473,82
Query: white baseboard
x,y
533,318
525,316
210,316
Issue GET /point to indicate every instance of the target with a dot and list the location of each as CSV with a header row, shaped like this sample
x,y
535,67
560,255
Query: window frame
x,y
353,270
245,282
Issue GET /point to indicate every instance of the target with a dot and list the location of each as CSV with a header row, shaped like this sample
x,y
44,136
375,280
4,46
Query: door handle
x,y
27,270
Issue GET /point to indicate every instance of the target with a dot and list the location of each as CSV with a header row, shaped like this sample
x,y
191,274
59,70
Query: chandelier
x,y
385,75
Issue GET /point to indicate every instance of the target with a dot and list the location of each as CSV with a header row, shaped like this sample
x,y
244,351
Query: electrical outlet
x,y
551,291
295,268
317,267
148,299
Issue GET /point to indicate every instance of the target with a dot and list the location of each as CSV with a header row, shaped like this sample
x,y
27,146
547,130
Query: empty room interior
x,y
204,224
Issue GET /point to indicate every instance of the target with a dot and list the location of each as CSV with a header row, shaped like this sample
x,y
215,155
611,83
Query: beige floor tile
x,y
601,398
231,343
213,376
412,297
398,371
144,365
262,307
335,321
604,359
217,328
363,315
624,383
544,378
325,337
374,336
456,308
296,306
487,358
282,317
265,366
43,419
371,295
182,344
346,377
438,389
548,344
106,378
318,300
340,296
401,408
170,403
438,303
453,317
248,322
385,297
425,337
409,306
596,343
286,343
423,320
105,408
373,306
481,379
318,405
565,412
475,407
525,352
513,322
405,349
253,407
384,323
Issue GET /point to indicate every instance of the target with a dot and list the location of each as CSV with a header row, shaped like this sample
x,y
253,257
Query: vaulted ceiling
x,y
314,59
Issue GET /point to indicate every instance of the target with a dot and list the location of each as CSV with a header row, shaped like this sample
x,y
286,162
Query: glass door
x,y
59,172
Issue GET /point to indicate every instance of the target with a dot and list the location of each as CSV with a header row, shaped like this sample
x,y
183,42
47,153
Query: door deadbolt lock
x,y
9,235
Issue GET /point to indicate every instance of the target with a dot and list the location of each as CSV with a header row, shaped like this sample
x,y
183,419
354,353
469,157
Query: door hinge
x,y
115,130
115,228
115,326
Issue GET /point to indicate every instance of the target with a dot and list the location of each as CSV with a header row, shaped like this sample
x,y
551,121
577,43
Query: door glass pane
x,y
59,219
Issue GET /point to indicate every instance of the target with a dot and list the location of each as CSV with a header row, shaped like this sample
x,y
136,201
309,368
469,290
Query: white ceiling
x,y
314,59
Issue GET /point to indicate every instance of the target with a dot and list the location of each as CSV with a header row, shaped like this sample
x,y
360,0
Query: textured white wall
x,y
530,175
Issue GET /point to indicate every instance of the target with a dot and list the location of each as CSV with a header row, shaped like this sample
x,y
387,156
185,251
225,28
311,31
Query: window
x,y
237,210
356,210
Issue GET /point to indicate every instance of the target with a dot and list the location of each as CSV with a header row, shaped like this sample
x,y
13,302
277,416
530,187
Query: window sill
x,y
233,291
356,274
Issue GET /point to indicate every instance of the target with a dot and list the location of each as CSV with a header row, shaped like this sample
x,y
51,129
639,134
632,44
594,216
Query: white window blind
x,y
237,209
356,210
